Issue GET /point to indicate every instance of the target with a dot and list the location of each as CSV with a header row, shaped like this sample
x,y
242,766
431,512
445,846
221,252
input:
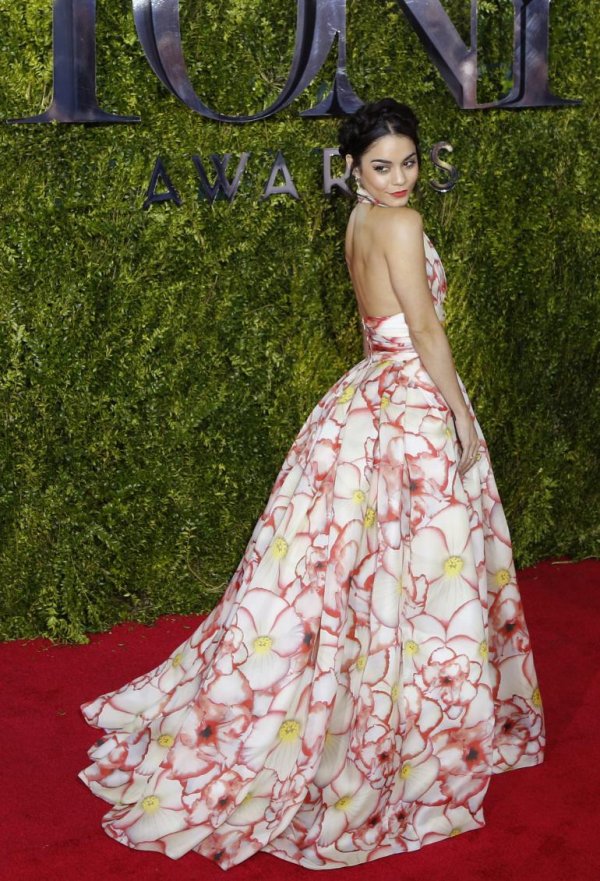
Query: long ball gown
x,y
368,666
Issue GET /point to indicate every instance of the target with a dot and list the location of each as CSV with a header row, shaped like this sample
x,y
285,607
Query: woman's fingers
x,y
468,441
468,457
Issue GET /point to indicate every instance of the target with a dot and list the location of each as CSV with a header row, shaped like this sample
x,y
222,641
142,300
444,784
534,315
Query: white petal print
x,y
420,778
446,595
368,666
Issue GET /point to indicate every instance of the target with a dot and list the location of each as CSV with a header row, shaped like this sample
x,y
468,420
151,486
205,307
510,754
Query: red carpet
x,y
541,821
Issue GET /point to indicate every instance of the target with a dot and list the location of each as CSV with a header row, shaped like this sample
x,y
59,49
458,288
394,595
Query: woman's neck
x,y
363,195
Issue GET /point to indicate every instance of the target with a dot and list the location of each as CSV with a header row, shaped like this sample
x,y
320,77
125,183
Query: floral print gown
x,y
368,666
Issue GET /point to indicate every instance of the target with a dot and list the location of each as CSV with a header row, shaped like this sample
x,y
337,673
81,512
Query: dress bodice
x,y
436,277
389,334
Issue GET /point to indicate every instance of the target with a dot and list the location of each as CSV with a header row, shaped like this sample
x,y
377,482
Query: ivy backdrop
x,y
155,365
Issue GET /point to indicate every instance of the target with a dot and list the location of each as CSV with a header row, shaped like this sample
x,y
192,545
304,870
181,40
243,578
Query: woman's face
x,y
389,169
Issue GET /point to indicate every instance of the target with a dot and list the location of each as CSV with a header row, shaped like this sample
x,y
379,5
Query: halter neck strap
x,y
363,195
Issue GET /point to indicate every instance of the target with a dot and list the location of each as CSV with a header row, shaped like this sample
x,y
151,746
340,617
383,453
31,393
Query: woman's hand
x,y
469,440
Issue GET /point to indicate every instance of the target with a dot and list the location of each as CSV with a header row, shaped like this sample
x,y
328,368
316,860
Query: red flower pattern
x,y
368,666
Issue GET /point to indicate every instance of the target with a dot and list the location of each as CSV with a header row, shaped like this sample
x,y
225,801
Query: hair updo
x,y
373,121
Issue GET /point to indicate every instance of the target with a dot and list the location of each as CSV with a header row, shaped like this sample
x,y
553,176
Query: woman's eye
x,y
380,168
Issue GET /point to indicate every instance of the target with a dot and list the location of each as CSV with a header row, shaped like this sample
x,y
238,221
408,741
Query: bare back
x,y
367,264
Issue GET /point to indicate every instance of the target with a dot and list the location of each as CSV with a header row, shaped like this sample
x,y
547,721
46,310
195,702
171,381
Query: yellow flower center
x,y
411,647
346,394
289,731
151,804
448,431
405,771
248,797
343,802
386,363
166,740
454,832
358,496
329,737
453,565
484,650
361,663
395,693
177,660
262,645
502,577
536,698
280,547
370,517
385,401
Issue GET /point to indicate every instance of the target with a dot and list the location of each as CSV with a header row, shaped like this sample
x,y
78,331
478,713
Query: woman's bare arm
x,y
405,256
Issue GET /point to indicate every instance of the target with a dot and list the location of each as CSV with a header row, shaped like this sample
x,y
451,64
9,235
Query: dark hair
x,y
373,121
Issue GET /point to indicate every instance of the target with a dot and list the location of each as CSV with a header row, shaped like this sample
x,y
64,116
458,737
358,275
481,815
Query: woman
x,y
368,667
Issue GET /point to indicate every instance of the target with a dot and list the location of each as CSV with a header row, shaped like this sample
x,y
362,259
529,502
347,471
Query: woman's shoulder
x,y
404,215
403,223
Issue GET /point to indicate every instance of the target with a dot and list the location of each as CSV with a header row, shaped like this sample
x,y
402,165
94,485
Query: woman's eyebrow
x,y
387,161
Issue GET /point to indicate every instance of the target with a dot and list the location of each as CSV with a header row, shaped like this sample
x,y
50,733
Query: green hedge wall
x,y
155,365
